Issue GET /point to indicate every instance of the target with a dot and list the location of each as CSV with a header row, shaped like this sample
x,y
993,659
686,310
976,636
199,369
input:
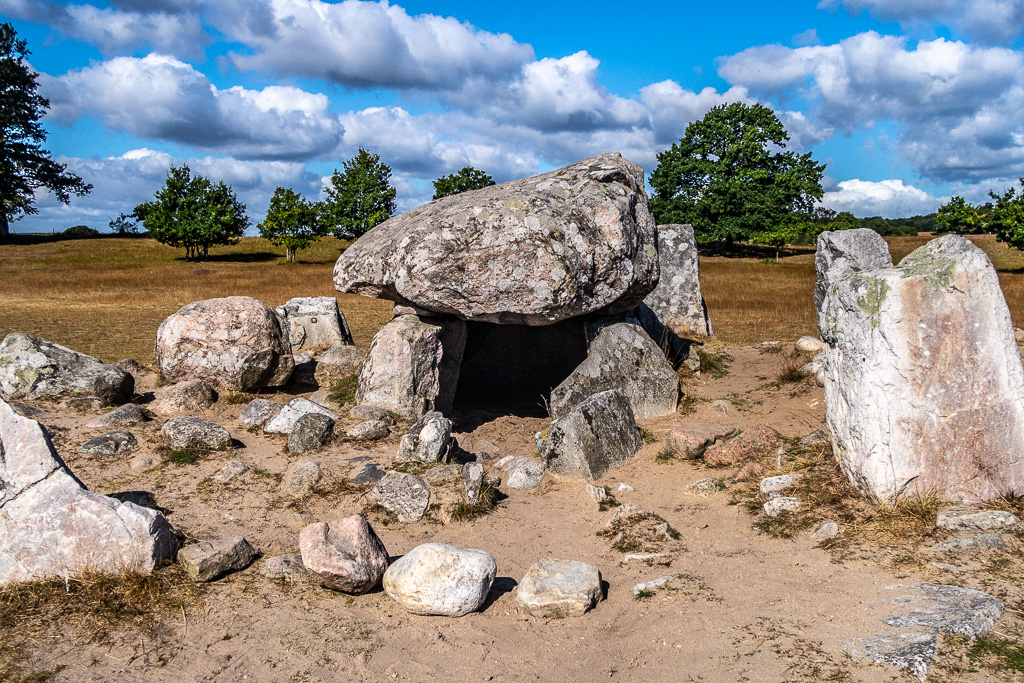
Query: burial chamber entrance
x,y
511,369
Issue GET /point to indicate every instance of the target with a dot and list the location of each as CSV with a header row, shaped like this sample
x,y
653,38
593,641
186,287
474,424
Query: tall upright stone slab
x,y
677,300
924,386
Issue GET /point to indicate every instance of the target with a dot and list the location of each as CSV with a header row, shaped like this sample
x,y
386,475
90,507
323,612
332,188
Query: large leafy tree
x,y
360,196
957,216
291,222
731,178
24,165
1007,217
193,212
468,178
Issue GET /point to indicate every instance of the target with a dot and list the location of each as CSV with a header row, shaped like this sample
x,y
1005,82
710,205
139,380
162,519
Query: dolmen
x,y
924,387
533,289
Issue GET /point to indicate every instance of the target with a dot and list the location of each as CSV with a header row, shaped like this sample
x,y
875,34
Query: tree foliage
x,y
291,222
730,178
194,213
360,196
24,165
468,178
957,216
1007,217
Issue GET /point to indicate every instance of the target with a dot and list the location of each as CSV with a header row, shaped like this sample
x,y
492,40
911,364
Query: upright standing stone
x,y
593,437
677,300
924,387
314,323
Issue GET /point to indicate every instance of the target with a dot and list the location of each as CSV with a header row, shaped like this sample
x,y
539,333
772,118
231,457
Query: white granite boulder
x,y
33,368
284,421
189,396
440,579
344,555
314,323
555,589
428,440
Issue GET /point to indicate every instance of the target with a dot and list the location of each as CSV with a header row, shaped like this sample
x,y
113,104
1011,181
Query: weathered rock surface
x,y
412,366
344,555
302,477
371,430
530,252
85,404
595,436
190,433
524,474
338,363
781,505
33,368
314,323
691,440
778,483
369,413
258,411
702,487
808,344
752,443
621,357
110,444
439,579
190,396
125,416
50,524
283,568
990,541
234,344
677,300
907,413
209,560
825,530
473,478
231,471
967,519
428,440
406,495
284,421
556,589
310,432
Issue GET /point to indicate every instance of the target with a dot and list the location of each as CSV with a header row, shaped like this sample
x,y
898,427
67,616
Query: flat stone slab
x,y
691,440
967,519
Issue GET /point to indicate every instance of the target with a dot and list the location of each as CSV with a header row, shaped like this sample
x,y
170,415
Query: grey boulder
x,y
428,440
314,323
556,589
33,368
209,560
125,416
677,299
338,363
406,495
595,436
258,411
110,444
189,433
189,396
310,432
284,421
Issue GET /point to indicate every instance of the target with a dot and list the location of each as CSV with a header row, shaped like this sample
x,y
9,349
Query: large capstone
x,y
677,300
51,526
234,344
534,251
33,368
314,323
924,387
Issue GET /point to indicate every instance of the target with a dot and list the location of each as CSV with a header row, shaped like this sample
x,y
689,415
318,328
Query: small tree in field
x,y
1007,217
194,213
957,216
291,222
468,178
359,197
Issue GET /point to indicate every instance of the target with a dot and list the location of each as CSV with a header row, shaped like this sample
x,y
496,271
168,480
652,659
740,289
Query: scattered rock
x,y
721,406
338,363
190,396
524,474
966,519
782,482
371,430
209,560
428,440
819,437
231,471
144,463
691,440
283,568
127,415
302,477
310,432
825,530
752,443
625,511
191,433
624,488
344,555
439,579
258,411
314,323
556,589
443,473
651,585
597,493
677,299
748,472
948,609
780,506
406,495
84,404
284,421
808,344
703,487
598,434
371,413
979,542
33,368
473,477
110,444
233,344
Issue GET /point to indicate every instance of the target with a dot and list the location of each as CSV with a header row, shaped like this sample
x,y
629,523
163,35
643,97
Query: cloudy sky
x,y
907,101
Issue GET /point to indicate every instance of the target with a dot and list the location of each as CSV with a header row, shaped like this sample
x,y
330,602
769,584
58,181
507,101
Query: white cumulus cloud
x,y
992,21
886,198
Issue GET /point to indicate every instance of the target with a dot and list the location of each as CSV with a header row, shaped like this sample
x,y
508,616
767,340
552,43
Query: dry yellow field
x,y
106,297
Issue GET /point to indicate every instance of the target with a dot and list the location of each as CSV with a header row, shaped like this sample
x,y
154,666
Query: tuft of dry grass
x,y
643,532
486,501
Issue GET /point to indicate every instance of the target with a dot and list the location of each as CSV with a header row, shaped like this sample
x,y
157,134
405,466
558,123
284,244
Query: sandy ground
x,y
748,608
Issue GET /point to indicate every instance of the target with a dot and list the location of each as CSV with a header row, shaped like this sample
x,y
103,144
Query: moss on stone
x,y
938,273
871,301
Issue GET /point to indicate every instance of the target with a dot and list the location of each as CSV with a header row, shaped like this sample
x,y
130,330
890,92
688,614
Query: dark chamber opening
x,y
511,369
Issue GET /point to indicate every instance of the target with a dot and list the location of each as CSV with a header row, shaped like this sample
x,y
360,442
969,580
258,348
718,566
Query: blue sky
x,y
907,101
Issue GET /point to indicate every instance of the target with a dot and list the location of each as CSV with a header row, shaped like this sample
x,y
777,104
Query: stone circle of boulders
x,y
344,555
190,433
428,440
406,495
110,444
50,525
33,368
440,579
189,396
209,560
556,589
124,416
310,432
234,344
907,413
314,323
598,434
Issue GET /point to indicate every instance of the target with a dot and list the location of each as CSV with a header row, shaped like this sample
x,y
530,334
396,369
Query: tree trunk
x,y
5,227
290,254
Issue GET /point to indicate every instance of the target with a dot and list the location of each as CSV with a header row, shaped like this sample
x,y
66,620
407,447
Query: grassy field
x,y
106,296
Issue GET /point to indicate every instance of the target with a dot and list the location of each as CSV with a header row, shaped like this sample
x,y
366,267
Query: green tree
x,y
1007,217
24,165
730,179
957,216
125,224
194,213
291,222
468,178
360,196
